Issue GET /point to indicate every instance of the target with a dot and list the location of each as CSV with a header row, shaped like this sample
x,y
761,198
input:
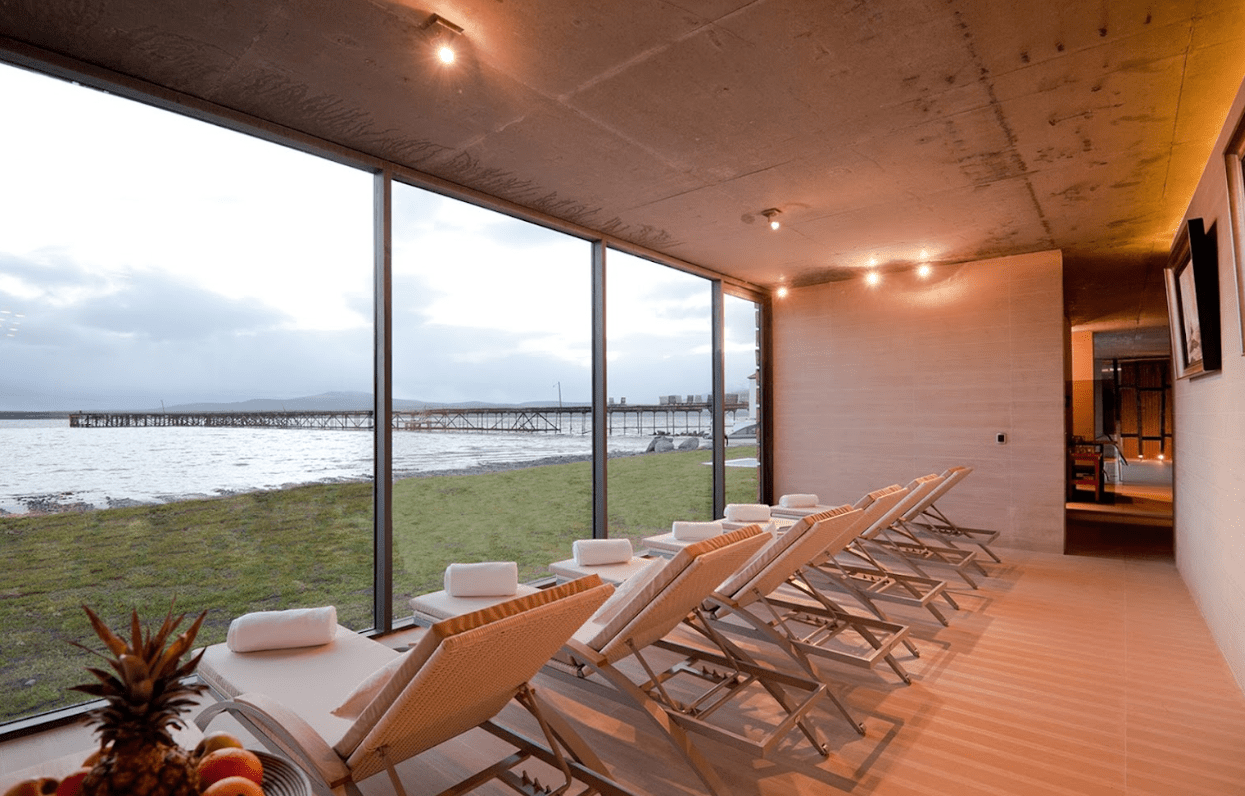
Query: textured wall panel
x,y
880,385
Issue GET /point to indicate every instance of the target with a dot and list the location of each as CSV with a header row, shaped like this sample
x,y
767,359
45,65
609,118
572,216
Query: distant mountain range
x,y
334,402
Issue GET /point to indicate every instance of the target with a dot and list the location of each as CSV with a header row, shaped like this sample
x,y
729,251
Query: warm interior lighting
x,y
782,292
1162,457
873,261
924,270
872,278
924,254
771,216
443,33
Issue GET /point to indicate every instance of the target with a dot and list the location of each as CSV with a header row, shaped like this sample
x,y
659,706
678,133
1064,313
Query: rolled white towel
x,y
798,501
686,531
278,630
483,579
747,512
594,552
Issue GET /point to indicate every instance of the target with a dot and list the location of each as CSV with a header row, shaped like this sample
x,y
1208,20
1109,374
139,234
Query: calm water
x,y
45,463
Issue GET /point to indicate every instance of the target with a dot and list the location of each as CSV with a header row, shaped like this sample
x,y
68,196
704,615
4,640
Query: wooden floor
x,y
1061,675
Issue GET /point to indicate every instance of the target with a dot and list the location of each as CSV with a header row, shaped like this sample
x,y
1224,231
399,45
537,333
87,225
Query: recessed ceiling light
x,y
872,278
782,292
924,270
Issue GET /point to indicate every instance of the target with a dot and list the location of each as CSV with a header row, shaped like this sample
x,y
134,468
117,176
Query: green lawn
x,y
305,546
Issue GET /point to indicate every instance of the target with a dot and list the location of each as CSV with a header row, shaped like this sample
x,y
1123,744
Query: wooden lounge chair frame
x,y
933,523
867,579
801,619
905,545
645,615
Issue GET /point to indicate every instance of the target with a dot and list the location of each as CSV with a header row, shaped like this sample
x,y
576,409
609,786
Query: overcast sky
x,y
147,258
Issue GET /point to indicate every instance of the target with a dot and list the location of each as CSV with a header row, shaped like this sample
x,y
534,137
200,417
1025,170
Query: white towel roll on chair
x,y
798,501
278,630
747,512
595,552
483,579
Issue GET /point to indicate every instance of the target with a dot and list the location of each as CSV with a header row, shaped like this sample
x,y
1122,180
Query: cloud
x,y
90,342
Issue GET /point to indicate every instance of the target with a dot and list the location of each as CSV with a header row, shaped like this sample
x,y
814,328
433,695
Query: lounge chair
x,y
352,708
686,696
905,545
775,598
641,614
934,523
858,572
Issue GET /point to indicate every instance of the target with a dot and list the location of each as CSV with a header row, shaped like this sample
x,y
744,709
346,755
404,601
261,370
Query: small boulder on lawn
x,y
660,445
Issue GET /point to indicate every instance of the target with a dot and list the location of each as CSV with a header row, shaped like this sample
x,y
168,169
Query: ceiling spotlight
x,y
771,215
872,278
924,270
782,292
443,32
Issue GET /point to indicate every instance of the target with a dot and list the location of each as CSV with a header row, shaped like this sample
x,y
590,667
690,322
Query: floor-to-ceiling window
x,y
660,380
200,302
188,349
742,388
492,390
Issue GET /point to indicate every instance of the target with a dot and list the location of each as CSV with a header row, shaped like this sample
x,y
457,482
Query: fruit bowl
x,y
281,777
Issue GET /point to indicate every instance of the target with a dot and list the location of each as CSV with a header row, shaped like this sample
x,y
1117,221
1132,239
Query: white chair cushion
x,y
686,531
440,605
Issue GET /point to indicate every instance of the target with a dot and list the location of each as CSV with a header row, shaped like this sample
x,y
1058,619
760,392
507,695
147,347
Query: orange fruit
x,y
216,740
233,786
230,762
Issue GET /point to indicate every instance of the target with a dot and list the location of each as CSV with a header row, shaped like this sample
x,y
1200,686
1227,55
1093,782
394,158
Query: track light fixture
x,y
771,216
442,33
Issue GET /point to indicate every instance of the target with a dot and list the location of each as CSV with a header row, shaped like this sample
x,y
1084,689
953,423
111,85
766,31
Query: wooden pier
x,y
636,419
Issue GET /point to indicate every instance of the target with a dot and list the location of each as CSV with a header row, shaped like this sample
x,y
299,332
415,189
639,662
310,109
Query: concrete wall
x,y
879,385
1209,440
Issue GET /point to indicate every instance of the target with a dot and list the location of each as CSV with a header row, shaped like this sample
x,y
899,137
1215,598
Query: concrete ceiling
x,y
966,129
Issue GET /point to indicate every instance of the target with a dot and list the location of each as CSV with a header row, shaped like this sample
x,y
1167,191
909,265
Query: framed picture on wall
x,y
1192,278
1234,158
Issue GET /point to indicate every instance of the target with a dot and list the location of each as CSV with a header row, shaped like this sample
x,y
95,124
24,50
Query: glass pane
x,y
659,354
741,333
201,302
492,385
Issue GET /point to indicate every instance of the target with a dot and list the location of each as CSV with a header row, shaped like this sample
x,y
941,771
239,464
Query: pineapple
x,y
145,695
